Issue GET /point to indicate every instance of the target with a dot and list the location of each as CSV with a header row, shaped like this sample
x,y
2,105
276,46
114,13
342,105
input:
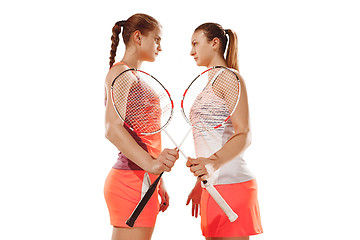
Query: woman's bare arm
x,y
119,136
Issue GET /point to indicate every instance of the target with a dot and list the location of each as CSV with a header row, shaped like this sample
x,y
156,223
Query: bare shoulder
x,y
238,75
114,72
241,79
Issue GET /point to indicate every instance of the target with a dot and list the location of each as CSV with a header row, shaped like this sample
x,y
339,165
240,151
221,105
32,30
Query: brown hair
x,y
214,30
142,22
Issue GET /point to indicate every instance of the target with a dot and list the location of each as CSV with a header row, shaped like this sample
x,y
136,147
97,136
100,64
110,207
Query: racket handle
x,y
135,214
220,201
209,187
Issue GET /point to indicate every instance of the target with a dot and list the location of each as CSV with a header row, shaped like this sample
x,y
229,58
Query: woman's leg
x,y
137,233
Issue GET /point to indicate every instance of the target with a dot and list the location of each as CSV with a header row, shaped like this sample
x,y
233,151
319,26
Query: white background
x,y
300,61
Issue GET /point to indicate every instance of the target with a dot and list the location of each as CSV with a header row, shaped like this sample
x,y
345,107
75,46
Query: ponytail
x,y
232,50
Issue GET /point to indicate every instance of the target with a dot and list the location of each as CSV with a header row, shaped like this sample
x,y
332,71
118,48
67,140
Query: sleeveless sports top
x,y
209,142
150,143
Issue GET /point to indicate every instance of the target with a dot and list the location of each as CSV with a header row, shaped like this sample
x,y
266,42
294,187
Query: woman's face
x,y
202,49
150,45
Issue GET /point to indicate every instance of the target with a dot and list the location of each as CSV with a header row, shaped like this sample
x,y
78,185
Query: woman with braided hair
x,y
140,159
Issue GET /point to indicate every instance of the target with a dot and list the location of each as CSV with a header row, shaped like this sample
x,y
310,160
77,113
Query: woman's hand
x,y
164,162
195,197
164,204
201,167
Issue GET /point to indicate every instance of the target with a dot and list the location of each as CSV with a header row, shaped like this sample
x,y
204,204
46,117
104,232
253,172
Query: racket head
x,y
211,98
141,101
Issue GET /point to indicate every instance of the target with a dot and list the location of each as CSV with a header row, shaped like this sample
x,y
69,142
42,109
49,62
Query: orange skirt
x,y
123,190
242,198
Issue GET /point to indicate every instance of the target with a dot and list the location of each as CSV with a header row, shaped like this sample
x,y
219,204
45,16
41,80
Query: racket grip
x,y
145,199
220,201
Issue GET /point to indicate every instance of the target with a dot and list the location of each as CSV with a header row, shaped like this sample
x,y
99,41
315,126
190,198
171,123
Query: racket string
x,y
211,98
208,110
143,104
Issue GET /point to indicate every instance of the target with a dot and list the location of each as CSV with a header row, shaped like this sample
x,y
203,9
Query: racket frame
x,y
118,113
182,101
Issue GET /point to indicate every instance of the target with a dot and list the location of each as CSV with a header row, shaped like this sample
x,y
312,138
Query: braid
x,y
114,42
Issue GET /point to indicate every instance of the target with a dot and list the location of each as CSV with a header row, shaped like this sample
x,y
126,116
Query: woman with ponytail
x,y
140,159
226,167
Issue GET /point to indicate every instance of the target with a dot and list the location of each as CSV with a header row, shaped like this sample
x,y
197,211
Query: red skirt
x,y
123,190
242,198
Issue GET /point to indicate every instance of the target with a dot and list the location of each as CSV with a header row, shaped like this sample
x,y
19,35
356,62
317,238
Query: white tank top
x,y
209,142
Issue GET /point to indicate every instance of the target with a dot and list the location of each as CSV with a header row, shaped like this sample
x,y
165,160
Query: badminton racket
x,y
210,91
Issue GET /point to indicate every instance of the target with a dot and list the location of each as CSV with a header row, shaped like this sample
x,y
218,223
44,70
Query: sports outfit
x,y
126,182
234,181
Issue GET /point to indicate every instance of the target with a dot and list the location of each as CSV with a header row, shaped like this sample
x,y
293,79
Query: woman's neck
x,y
132,59
217,61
